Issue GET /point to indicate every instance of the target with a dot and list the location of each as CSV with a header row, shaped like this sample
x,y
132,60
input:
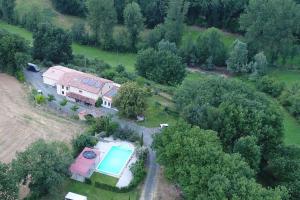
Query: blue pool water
x,y
114,161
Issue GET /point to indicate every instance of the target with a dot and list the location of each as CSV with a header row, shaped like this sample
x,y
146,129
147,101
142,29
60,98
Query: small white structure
x,y
77,86
73,196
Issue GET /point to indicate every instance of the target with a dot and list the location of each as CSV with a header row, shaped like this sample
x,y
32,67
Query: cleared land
x,y
21,124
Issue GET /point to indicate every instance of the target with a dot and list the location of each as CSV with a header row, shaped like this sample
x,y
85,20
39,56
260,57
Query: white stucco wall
x,y
76,91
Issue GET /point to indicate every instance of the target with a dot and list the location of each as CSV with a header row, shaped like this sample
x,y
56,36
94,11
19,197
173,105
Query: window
x,y
109,104
62,92
67,88
80,91
62,87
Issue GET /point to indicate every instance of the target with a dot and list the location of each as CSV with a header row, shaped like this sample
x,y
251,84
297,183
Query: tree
x,y
271,26
130,100
249,150
82,141
188,51
162,66
7,10
209,44
79,33
134,22
284,167
8,183
14,52
121,39
154,11
44,165
238,58
260,64
71,7
102,18
59,50
174,22
193,158
233,110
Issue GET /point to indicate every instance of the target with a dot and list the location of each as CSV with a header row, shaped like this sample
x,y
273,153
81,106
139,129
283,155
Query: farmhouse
x,y
77,86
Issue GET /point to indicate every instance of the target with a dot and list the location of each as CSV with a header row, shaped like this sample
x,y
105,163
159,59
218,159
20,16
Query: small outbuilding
x,y
73,196
85,164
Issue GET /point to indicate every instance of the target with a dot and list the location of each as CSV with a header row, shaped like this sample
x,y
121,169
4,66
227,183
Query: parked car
x,y
32,67
164,126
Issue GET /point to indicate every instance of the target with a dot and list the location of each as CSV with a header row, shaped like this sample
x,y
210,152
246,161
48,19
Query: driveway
x,y
36,80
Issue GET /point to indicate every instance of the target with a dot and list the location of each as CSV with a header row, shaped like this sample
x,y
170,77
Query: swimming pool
x,y
115,160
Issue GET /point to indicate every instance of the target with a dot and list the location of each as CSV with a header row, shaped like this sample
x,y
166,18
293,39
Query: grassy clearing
x,y
90,191
64,21
289,77
101,178
16,30
291,129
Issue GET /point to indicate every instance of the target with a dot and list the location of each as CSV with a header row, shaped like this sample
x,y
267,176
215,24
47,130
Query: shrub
x,y
63,102
20,76
40,99
126,134
270,86
74,108
50,98
98,102
88,181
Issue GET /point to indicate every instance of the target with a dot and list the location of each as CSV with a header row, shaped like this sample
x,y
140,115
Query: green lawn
x,y
291,129
289,77
64,21
101,178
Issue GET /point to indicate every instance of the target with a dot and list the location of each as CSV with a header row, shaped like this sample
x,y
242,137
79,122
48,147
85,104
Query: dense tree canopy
x,y
272,26
238,58
59,50
102,18
162,66
8,183
44,165
232,109
194,159
134,22
7,10
174,21
71,7
130,100
14,53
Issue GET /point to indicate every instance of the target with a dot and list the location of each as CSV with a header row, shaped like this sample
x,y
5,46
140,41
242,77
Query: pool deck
x,y
105,145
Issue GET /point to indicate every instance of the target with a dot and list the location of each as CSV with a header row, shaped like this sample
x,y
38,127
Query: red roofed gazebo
x,y
85,164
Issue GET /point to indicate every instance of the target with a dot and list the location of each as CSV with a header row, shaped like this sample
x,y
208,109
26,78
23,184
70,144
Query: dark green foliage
x,y
208,45
98,102
120,5
102,124
270,86
290,99
193,158
121,39
284,169
7,10
134,22
8,183
152,37
44,165
59,50
88,181
249,150
71,7
232,109
238,58
126,134
272,26
188,52
102,17
154,11
82,141
174,22
130,100
162,66
79,33
14,52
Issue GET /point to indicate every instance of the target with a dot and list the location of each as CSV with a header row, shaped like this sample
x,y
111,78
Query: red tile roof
x,y
82,166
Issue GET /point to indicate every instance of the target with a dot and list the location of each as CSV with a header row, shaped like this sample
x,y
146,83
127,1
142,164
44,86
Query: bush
x,y
20,76
63,102
82,141
290,99
40,99
88,181
50,98
126,134
98,102
121,39
270,86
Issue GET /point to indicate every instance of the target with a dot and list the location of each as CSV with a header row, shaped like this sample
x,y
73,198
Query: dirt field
x,y
21,123
165,190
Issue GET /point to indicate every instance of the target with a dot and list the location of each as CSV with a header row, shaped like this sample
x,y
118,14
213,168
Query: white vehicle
x,y
164,125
